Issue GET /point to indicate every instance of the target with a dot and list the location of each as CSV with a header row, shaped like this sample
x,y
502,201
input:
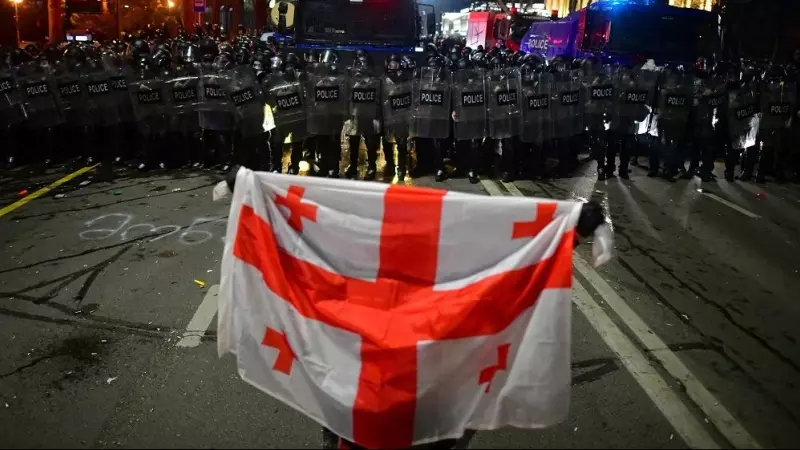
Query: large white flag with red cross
x,y
398,315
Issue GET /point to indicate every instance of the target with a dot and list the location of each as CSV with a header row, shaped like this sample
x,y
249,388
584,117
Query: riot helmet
x,y
208,50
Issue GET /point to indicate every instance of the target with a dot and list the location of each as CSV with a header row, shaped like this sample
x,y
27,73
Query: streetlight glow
x,y
16,2
170,4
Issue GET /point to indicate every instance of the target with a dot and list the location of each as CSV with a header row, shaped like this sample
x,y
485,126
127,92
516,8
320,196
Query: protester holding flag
x,y
398,316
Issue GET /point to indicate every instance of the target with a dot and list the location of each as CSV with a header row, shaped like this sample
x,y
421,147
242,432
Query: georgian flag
x,y
398,315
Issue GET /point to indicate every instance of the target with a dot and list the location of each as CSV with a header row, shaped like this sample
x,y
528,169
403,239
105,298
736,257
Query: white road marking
x,y
733,431
727,425
201,320
492,188
512,189
732,205
667,401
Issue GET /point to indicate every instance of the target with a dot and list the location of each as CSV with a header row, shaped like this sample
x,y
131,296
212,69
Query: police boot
x,y
295,157
372,143
624,156
438,156
354,145
507,161
749,163
402,158
390,169
654,161
332,156
273,145
474,162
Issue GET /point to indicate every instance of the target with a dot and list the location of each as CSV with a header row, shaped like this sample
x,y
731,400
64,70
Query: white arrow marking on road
x,y
201,320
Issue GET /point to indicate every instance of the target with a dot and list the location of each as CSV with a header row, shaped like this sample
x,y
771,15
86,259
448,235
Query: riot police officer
x,y
778,96
326,112
396,113
469,116
364,117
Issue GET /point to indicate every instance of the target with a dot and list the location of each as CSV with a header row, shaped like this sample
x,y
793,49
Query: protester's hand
x,y
230,177
592,216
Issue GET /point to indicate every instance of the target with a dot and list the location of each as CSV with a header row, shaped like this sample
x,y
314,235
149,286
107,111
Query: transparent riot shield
x,y
184,88
286,98
364,89
104,102
709,98
566,107
397,112
469,104
327,101
10,102
536,93
214,107
777,105
598,98
248,99
120,76
743,117
73,95
634,92
503,109
674,106
39,95
150,98
431,104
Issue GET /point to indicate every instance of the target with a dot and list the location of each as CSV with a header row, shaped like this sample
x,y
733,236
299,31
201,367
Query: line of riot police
x,y
199,101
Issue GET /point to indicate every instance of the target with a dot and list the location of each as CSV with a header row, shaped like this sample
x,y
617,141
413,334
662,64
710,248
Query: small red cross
x,y
297,209
277,340
545,212
488,373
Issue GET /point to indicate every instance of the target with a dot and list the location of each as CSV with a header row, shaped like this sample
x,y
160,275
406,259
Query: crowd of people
x,y
203,100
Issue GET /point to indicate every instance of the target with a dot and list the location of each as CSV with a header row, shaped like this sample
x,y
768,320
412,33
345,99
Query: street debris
x,y
108,381
200,283
177,190
22,192
59,196
84,183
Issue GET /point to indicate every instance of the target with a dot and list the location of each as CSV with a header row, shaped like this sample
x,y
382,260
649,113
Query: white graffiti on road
x,y
121,224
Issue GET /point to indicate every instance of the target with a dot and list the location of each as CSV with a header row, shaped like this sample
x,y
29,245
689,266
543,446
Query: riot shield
x,y
397,110
503,110
184,88
674,106
743,117
566,108
214,107
286,98
598,98
469,104
327,101
10,103
364,89
103,100
248,99
149,96
537,91
119,76
40,101
777,104
709,101
634,93
431,104
73,95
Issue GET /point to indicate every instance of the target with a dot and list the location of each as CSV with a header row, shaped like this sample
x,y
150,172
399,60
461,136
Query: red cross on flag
x,y
399,315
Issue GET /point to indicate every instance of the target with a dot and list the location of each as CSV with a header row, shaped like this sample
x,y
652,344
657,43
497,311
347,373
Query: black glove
x,y
592,216
230,177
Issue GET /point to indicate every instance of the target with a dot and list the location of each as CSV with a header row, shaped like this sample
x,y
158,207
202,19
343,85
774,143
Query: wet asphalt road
x,y
97,288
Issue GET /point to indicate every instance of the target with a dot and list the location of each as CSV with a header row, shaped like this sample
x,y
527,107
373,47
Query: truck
x,y
628,32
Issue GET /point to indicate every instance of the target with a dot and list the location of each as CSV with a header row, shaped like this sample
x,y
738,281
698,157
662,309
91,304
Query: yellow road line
x,y
21,202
